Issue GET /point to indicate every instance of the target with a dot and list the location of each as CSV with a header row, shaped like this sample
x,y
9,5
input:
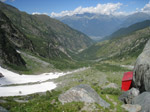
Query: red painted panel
x,y
126,85
127,76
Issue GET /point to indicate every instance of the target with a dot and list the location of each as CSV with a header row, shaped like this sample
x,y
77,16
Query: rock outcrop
x,y
141,75
131,108
128,96
8,54
1,75
143,100
10,40
83,93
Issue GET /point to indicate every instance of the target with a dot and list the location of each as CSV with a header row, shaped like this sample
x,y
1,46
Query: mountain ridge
x,y
127,30
47,33
99,26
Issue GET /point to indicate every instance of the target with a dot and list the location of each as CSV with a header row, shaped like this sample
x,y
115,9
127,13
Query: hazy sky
x,y
70,7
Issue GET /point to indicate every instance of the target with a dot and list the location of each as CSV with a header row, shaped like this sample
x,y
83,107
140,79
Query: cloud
x,y
146,8
38,13
106,9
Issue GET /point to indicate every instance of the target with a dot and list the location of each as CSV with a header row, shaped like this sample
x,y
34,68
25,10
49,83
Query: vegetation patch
x,y
111,91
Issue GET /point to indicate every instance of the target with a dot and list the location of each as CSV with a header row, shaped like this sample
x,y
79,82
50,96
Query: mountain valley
x,y
52,64
99,26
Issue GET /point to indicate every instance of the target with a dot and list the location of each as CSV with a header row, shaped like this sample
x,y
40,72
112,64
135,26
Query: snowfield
x,y
26,89
39,84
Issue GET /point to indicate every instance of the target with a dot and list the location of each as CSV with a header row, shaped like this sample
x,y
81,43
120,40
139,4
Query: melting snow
x,y
39,86
26,89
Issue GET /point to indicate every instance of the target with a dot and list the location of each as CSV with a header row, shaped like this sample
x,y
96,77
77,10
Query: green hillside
x,y
124,48
126,31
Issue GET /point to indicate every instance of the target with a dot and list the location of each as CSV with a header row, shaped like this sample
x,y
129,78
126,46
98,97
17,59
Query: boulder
x,y
131,108
83,93
141,74
128,96
111,85
1,75
3,101
143,100
3,109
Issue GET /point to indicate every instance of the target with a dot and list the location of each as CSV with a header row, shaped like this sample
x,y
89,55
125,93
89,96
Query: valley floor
x,y
19,88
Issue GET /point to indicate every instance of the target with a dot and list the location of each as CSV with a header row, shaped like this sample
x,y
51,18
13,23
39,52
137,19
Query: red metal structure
x,y
126,81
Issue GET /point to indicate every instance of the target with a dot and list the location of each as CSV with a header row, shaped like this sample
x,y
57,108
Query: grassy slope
x,y
126,31
124,48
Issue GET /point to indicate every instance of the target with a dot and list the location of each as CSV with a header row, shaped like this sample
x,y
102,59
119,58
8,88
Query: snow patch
x,y
24,89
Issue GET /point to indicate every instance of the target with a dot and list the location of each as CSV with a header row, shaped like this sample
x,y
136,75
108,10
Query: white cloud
x,y
38,13
120,13
106,9
146,8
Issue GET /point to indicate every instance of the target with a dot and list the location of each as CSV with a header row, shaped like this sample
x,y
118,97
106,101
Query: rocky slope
x,y
10,40
51,38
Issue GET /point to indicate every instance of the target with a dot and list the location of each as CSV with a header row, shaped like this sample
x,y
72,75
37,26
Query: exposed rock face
x,y
1,75
10,39
111,85
13,34
83,93
8,54
131,108
141,77
143,100
128,96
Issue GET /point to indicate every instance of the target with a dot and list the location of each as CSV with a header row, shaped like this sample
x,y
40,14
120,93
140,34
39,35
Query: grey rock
x,y
143,100
132,108
141,74
3,101
1,75
3,109
111,85
128,96
80,80
21,101
89,107
83,93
